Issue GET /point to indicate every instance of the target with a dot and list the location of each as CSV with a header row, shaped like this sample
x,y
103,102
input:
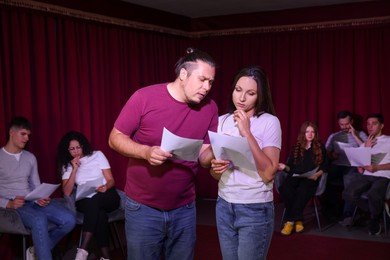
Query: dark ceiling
x,y
208,8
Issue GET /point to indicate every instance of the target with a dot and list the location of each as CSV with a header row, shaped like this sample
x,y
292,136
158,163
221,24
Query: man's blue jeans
x,y
151,232
37,219
244,230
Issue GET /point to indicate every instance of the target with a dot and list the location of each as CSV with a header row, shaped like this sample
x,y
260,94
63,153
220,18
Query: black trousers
x,y
375,187
296,193
96,211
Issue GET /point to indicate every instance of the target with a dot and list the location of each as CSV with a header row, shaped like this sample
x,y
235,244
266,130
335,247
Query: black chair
x,y
280,176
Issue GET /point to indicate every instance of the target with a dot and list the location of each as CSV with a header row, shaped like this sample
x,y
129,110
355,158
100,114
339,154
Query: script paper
x,y
339,148
358,156
306,174
87,189
362,156
181,148
44,190
232,148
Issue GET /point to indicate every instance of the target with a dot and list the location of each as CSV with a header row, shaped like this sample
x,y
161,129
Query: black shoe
x,y
374,227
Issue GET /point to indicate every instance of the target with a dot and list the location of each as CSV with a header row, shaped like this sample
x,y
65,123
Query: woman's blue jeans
x,y
244,230
151,232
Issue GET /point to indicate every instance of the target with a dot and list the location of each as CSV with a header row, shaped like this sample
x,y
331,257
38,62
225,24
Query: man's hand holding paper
x,y
181,148
43,191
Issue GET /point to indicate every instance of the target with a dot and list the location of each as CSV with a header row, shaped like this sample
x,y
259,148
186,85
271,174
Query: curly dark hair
x,y
63,154
300,145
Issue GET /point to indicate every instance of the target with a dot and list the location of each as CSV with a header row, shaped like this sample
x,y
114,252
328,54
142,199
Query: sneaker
x,y
299,226
30,253
346,222
287,229
374,227
82,254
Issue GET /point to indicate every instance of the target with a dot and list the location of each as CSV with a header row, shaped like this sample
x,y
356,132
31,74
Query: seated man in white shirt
x,y
373,179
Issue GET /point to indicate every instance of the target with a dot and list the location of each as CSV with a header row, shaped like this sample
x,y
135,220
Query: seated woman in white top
x,y
81,167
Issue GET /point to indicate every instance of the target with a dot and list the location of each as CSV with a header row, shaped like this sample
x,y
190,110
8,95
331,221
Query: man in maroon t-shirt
x,y
160,205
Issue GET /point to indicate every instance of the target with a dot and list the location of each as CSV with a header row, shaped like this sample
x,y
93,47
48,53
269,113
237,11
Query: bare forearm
x,y
266,162
124,145
206,155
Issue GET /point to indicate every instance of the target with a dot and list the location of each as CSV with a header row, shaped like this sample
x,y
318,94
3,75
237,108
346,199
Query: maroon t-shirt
x,y
143,118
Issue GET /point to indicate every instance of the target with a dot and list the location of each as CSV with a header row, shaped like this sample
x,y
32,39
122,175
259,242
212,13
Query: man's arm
x,y
206,155
124,145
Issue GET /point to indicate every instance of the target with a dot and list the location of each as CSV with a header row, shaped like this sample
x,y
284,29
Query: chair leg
x,y
119,239
317,215
282,220
385,221
24,246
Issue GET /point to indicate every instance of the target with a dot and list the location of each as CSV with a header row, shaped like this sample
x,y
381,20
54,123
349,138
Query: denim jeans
x,y
244,230
37,219
151,232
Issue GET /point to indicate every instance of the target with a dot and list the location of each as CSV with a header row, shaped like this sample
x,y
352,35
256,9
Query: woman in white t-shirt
x,y
245,210
96,195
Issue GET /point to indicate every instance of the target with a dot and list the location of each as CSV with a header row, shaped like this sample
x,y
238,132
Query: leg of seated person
x,y
288,193
36,218
102,234
357,186
62,218
376,195
304,192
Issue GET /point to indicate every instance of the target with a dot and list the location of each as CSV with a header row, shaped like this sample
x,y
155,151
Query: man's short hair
x,y
377,116
344,114
20,122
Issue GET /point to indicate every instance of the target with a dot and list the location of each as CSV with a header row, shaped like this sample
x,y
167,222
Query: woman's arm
x,y
110,181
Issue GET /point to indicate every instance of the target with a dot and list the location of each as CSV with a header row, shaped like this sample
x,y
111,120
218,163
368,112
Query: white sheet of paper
x,y
232,148
360,156
339,146
181,148
44,190
306,174
88,189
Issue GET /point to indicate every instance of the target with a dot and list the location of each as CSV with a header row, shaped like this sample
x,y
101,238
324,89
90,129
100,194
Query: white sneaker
x,y
30,253
81,254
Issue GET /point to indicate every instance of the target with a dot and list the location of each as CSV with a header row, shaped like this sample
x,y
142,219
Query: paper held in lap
x,y
362,156
88,189
306,174
232,148
185,149
44,190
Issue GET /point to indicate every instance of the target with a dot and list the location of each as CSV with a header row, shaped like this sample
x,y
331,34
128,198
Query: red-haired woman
x,y
307,154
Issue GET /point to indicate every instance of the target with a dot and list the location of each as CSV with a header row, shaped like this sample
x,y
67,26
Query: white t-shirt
x,y
382,146
244,186
90,168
